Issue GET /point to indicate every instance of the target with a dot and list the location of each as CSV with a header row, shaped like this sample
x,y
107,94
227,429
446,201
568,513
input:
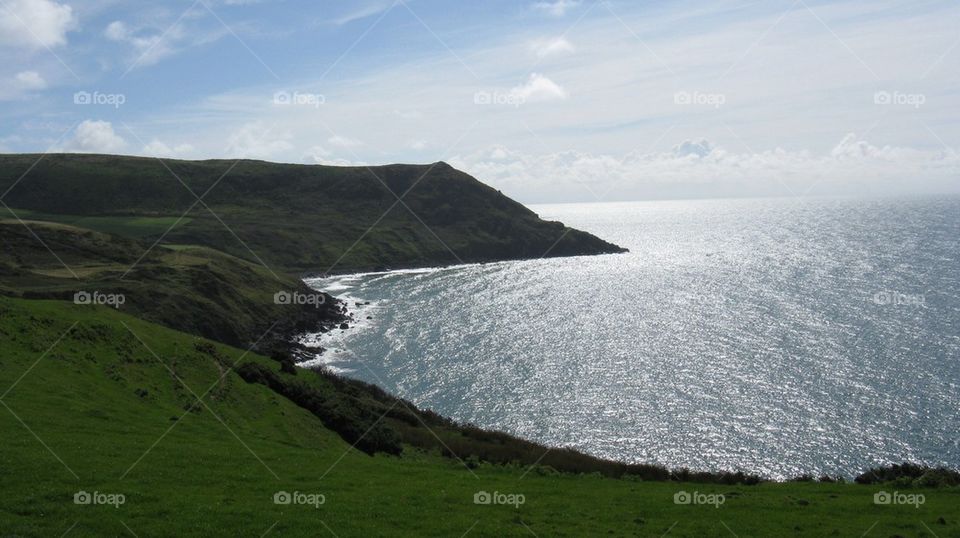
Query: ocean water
x,y
778,336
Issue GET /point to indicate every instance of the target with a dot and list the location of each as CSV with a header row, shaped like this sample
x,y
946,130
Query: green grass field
x,y
98,401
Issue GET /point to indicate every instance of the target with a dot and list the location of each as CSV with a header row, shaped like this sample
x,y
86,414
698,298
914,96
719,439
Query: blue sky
x,y
549,100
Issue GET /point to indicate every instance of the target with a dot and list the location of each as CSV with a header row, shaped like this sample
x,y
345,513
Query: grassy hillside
x,y
96,400
291,217
193,289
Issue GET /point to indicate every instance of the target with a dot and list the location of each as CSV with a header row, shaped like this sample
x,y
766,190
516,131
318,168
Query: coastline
x,y
308,347
848,472
431,266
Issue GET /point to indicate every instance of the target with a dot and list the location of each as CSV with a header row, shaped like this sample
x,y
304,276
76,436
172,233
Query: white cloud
x,y
697,169
33,24
557,8
30,80
320,155
20,85
117,31
148,49
362,13
417,145
94,136
538,88
551,47
343,142
148,46
316,153
698,148
255,141
156,148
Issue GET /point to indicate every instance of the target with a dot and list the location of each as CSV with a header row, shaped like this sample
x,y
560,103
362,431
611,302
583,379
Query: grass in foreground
x,y
94,400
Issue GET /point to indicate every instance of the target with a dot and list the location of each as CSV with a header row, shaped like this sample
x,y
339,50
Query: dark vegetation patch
x,y
910,475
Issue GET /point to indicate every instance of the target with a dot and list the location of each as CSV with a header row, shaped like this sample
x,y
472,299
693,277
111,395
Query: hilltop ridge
x,y
291,217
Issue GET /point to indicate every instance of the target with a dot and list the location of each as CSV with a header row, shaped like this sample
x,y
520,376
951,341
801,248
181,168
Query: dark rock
x,y
344,326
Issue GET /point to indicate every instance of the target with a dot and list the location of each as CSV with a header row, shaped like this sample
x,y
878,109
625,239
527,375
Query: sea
x,y
782,336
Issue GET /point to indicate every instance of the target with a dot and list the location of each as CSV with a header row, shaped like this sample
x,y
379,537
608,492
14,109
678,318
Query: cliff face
x,y
291,217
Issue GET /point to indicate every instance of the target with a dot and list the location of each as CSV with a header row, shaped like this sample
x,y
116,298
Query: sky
x,y
547,100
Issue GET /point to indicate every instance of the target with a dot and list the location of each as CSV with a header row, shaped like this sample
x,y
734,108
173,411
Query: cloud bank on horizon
x,y
553,100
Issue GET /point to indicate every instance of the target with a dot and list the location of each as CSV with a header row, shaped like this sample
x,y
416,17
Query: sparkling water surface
x,y
778,336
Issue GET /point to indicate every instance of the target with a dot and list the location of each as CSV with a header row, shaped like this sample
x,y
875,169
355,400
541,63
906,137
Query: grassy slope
x,y
193,289
200,480
292,217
